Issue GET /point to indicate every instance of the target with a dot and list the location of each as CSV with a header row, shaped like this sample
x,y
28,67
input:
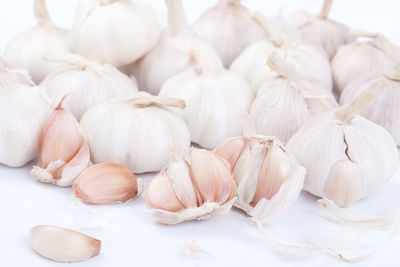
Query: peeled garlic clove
x,y
63,245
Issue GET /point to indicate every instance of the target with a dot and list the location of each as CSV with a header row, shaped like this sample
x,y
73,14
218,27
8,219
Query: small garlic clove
x,y
231,150
106,183
63,245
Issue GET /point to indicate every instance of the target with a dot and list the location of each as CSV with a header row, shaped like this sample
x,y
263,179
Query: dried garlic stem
x,y
270,28
359,33
281,66
41,12
387,47
326,9
202,63
177,22
147,101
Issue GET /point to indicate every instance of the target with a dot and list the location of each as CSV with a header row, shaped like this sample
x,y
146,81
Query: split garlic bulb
x,y
191,191
268,178
215,99
172,54
287,100
28,48
229,28
136,131
359,59
309,61
115,31
23,113
347,157
86,83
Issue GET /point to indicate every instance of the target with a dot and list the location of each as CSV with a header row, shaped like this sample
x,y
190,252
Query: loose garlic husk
x,y
359,59
191,191
115,31
28,48
64,152
136,131
215,99
85,82
309,61
287,100
172,54
229,28
347,157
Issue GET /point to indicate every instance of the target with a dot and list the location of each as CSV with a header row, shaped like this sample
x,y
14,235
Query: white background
x,y
130,237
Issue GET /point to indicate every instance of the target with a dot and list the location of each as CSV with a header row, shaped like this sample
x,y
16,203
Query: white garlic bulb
x,y
172,54
115,31
191,191
229,28
86,83
359,59
347,157
309,61
215,99
287,100
28,48
136,131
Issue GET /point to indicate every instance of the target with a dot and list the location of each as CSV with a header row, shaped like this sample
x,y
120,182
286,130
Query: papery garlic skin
x,y
115,31
136,131
229,28
27,50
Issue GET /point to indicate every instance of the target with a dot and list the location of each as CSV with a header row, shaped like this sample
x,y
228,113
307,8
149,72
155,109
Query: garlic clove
x,y
63,245
231,150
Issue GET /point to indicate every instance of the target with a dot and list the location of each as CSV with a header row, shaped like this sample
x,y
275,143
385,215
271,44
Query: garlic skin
x,y
136,131
115,31
172,54
215,99
63,245
28,48
229,28
347,157
287,100
186,191
86,83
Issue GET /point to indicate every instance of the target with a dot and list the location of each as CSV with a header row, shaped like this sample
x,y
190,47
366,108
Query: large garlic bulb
x,y
28,48
23,113
136,131
215,100
287,100
229,28
359,59
86,83
115,31
172,54
309,61
347,157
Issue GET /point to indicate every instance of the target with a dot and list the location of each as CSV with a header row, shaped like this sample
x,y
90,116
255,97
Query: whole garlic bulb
x,y
136,131
191,191
115,31
86,83
229,28
215,99
359,59
309,61
172,54
287,100
28,48
23,113
347,157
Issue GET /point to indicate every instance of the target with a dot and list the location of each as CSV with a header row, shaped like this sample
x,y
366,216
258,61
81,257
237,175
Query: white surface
x,y
130,237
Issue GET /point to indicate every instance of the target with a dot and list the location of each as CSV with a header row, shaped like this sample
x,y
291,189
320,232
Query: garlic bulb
x,y
215,99
115,31
309,61
28,48
229,28
136,131
268,178
287,100
64,152
191,191
172,54
358,59
23,113
347,157
86,83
